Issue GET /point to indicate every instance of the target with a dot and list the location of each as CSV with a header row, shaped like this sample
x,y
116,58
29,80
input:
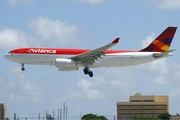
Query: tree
x,y
145,118
93,117
164,116
102,118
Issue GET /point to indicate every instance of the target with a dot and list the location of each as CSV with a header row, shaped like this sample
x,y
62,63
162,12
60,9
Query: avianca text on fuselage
x,y
72,59
42,51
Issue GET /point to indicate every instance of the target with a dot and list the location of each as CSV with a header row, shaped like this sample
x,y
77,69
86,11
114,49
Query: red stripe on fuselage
x,y
59,51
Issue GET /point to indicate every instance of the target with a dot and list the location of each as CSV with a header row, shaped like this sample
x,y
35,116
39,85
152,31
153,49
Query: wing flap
x,y
89,58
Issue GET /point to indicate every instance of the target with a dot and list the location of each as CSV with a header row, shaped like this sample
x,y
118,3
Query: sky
x,y
85,24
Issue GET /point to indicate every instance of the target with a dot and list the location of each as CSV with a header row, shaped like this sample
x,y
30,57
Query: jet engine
x,y
64,64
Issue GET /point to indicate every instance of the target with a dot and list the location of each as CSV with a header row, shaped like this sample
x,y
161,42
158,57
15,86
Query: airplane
x,y
72,59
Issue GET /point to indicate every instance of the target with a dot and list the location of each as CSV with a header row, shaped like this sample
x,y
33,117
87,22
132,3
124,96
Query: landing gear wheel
x,y
86,71
23,69
90,74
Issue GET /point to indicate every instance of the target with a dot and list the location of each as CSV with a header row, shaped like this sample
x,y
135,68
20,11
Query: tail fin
x,y
163,41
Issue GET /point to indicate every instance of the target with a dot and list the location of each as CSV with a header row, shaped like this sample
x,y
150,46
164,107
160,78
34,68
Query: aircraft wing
x,y
88,58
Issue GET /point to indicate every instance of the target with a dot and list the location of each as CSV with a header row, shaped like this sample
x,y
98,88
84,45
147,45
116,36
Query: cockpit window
x,y
11,52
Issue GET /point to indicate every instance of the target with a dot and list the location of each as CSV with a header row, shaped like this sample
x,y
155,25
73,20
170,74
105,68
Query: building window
x,y
148,100
136,100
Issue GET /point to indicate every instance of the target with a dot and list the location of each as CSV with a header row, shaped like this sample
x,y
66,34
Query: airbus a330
x,y
72,59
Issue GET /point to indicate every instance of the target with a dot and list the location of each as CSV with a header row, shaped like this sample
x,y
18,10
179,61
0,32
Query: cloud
x,y
159,66
104,86
20,88
17,72
164,75
155,66
23,90
10,38
46,33
144,43
15,3
166,4
54,31
160,80
177,72
86,90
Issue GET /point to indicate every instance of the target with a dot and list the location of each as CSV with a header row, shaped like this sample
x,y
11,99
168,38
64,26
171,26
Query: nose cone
x,y
7,56
12,57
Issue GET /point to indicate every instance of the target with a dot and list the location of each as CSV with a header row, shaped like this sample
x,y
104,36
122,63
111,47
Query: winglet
x,y
116,40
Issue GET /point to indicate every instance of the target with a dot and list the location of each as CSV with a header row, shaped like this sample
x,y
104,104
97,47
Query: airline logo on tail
x,y
163,45
163,41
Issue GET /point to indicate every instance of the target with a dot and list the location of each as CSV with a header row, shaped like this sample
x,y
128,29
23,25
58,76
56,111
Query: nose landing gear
x,y
87,71
23,69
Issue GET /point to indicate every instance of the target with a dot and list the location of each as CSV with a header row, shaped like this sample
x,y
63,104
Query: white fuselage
x,y
109,60
68,59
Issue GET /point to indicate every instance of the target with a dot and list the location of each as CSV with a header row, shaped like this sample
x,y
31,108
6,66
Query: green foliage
x,y
93,117
145,118
164,116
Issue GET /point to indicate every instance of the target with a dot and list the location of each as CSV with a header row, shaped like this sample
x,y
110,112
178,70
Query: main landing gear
x,y
87,71
23,69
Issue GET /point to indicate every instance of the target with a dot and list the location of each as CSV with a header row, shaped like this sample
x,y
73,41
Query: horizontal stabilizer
x,y
157,55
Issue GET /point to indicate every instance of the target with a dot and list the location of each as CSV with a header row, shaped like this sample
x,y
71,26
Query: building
x,y
138,105
175,117
3,111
